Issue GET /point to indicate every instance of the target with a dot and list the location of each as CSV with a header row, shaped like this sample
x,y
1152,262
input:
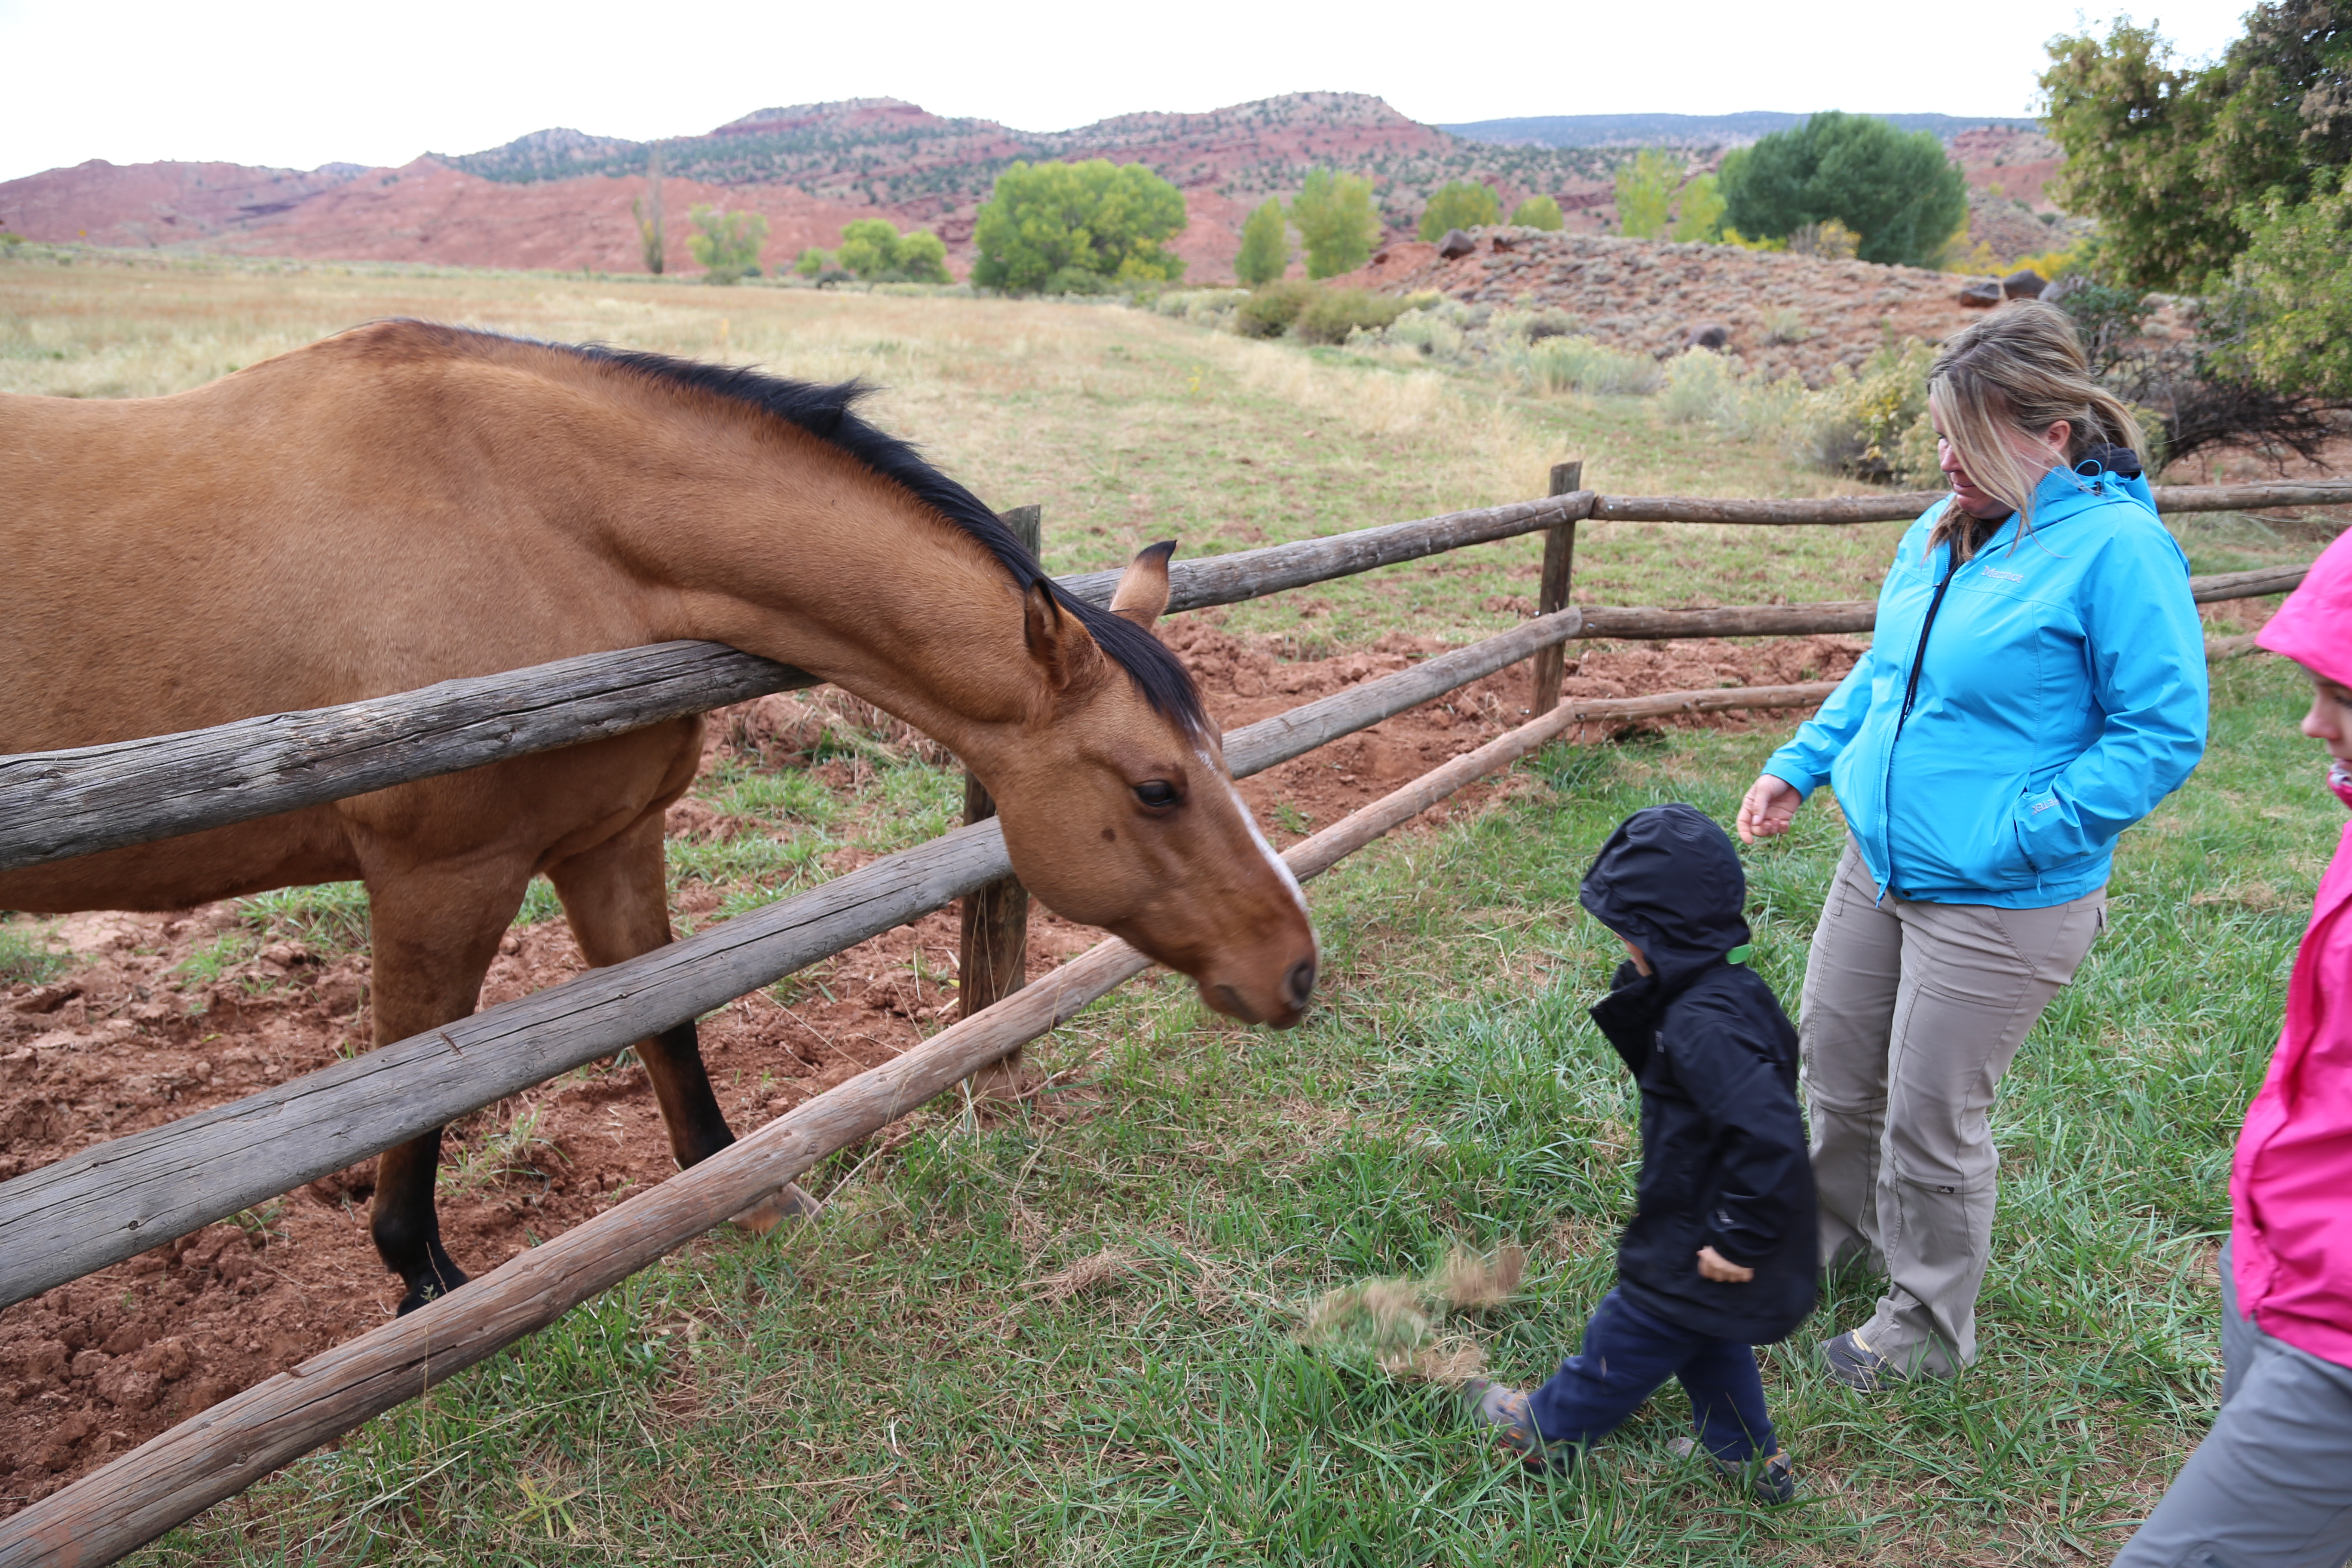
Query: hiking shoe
x,y
1852,1362
1770,1480
1507,1411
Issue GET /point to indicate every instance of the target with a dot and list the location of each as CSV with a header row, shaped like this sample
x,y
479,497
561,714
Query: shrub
x,y
813,261
1334,216
1896,190
1427,331
1334,313
1265,245
1461,205
1538,212
1579,364
1644,189
1701,388
1269,312
2286,313
1075,227
728,244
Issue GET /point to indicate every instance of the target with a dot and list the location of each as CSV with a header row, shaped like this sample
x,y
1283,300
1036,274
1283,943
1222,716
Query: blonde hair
x,y
2021,369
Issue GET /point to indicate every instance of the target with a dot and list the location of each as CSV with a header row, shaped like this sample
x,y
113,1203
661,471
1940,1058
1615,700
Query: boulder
x,y
1456,243
2024,284
1981,295
1707,335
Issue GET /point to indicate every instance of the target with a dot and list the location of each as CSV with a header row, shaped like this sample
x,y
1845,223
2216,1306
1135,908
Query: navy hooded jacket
x,y
1723,1159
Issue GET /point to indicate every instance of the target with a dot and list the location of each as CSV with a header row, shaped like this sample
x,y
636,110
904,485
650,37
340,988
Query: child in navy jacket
x,y
1720,1253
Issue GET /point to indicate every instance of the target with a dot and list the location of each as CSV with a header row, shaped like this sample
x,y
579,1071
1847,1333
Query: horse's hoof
x,y
787,1202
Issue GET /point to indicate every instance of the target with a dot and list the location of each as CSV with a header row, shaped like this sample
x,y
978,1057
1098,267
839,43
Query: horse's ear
x,y
1143,588
1064,649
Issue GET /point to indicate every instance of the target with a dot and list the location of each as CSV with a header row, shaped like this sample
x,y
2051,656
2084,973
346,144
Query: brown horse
x,y
405,503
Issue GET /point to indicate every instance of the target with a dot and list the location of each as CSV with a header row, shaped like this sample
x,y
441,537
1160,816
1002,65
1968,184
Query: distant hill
x,y
890,153
1685,129
560,197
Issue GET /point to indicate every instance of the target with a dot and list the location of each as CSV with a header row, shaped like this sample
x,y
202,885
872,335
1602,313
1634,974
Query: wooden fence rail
x,y
58,805
120,1198
120,1506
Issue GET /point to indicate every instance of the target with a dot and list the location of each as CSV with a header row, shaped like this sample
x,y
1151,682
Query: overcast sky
x,y
291,85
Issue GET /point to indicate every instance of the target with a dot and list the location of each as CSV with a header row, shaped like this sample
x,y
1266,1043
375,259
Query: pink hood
x,y
2313,627
2291,1225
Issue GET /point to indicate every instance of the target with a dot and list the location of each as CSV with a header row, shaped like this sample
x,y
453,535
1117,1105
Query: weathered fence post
x,y
1559,556
993,959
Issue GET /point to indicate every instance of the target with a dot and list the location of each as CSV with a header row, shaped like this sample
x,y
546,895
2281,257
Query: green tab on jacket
x,y
1740,954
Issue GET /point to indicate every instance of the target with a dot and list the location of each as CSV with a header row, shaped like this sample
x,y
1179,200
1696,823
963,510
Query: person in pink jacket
x,y
2271,1486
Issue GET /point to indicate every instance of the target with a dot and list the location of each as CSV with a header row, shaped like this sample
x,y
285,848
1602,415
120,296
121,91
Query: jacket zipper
x,y
1910,695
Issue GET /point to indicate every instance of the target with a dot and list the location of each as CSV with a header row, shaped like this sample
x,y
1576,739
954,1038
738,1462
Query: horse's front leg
x,y
617,901
432,931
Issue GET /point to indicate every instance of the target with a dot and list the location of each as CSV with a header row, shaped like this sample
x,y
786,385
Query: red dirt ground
x,y
123,1043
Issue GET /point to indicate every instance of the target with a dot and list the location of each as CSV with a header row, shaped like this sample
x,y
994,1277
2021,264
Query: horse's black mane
x,y
829,414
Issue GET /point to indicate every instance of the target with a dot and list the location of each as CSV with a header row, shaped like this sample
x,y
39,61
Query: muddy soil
x,y
131,1035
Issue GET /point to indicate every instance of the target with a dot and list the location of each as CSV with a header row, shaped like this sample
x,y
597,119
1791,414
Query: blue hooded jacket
x,y
2059,694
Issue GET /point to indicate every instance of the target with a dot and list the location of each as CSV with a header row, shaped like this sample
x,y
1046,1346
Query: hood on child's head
x,y
2313,627
1669,881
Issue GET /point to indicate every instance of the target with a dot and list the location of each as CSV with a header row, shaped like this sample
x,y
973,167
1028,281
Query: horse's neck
x,y
800,555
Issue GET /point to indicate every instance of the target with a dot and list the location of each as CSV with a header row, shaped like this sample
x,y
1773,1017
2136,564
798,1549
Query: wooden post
x,y
993,959
1560,557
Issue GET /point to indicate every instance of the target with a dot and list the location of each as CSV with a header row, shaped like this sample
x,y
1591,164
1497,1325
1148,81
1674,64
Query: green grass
x,y
886,1386
25,956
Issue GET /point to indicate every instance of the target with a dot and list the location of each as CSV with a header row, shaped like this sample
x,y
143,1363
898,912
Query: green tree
x,y
728,245
873,248
1896,190
1076,228
812,262
1700,217
1461,205
1538,212
2181,165
1334,218
1266,245
2283,321
647,210
1645,188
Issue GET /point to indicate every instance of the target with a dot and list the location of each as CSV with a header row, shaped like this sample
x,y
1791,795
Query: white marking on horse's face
x,y
1281,865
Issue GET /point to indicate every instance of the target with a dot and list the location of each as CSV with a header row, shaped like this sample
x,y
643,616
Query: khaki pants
x,y
1911,1012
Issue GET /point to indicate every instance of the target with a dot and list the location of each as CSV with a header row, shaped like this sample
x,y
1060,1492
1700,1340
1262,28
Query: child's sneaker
x,y
1507,1410
1771,1481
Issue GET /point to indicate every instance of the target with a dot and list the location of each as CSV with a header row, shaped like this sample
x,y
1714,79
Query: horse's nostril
x,y
1298,986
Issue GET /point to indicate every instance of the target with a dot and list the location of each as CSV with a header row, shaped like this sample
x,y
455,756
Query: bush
x,y
1431,333
2285,314
1076,228
1266,245
1334,216
1462,204
1269,312
1334,313
813,261
1538,212
728,244
1896,190
1579,364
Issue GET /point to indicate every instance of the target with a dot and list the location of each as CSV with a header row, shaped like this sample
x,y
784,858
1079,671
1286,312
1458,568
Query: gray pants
x,y
2271,1487
1911,1012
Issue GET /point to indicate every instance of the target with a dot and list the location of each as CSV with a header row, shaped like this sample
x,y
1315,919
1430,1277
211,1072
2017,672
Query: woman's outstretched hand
x,y
1770,806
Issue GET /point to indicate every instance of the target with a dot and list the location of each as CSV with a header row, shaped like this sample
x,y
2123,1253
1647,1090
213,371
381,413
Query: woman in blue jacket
x,y
2035,685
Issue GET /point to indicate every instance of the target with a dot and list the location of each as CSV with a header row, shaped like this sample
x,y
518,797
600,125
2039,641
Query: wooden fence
x,y
108,1203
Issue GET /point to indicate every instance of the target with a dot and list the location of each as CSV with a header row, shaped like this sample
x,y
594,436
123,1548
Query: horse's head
x,y
1121,816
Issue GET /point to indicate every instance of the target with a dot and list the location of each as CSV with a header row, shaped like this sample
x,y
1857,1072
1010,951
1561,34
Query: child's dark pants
x,y
1627,1356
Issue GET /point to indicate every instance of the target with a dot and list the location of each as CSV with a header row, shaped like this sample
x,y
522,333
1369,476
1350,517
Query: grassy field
x,y
1069,1335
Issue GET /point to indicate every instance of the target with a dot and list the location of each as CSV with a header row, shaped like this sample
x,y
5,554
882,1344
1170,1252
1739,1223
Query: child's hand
x,y
1721,1269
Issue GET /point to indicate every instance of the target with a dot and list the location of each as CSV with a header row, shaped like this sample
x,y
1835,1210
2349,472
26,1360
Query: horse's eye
x,y
1157,794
